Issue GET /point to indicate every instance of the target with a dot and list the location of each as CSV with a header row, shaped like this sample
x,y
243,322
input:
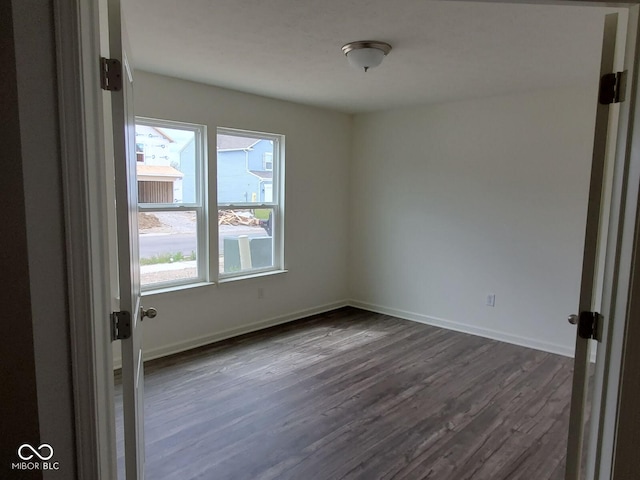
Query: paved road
x,y
156,244
151,245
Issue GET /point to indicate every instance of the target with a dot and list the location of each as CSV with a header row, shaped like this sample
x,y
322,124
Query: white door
x,y
268,192
576,463
127,233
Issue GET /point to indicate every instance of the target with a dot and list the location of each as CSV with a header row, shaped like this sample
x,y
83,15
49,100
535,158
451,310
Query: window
x,y
139,152
267,161
250,207
171,211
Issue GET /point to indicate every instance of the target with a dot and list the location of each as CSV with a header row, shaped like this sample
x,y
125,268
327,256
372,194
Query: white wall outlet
x,y
260,292
491,300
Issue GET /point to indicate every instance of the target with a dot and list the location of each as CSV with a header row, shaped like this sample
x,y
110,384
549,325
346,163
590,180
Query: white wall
x,y
316,238
417,212
452,202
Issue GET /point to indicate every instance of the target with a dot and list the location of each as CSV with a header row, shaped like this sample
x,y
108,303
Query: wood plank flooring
x,y
356,395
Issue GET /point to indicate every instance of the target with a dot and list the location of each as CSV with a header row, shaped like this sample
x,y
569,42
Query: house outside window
x,y
140,152
250,206
172,216
267,161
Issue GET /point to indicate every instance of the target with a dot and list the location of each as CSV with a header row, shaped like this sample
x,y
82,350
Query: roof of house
x,y
157,171
164,134
233,142
263,175
140,128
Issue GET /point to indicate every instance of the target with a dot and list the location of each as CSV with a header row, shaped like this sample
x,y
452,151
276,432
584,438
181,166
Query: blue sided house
x,y
245,169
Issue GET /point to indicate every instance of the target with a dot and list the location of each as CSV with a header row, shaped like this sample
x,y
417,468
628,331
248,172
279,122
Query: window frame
x,y
200,206
276,205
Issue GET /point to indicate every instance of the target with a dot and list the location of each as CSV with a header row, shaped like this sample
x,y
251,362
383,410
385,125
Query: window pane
x,y
166,168
245,239
245,169
168,246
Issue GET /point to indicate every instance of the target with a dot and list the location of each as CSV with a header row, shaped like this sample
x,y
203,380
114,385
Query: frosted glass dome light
x,y
366,54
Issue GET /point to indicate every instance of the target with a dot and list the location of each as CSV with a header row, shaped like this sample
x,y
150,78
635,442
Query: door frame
x,y
78,48
82,141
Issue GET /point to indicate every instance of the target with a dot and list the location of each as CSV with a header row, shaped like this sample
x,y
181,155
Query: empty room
x,y
331,240
360,272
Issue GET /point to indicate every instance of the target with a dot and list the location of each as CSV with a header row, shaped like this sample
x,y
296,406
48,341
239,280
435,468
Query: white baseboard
x,y
466,328
182,346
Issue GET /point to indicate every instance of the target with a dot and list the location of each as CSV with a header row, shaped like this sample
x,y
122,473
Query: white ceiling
x,y
442,51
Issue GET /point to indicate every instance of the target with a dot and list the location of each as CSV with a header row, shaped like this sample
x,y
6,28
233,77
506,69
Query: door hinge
x,y
589,324
612,88
110,74
120,325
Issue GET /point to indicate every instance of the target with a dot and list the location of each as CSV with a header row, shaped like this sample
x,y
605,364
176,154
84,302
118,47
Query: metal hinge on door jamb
x,y
120,325
612,88
589,325
110,74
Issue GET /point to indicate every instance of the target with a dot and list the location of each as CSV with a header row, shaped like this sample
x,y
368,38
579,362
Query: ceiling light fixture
x,y
366,54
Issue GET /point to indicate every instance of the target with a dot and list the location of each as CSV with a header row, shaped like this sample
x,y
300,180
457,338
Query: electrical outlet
x,y
260,292
491,300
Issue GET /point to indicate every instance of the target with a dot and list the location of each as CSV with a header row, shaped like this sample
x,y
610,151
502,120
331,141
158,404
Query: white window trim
x,y
277,204
200,207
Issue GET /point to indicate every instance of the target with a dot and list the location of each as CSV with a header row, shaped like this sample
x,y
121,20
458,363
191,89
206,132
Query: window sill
x,y
250,276
174,288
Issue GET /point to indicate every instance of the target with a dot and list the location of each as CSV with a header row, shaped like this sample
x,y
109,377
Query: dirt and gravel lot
x,y
167,222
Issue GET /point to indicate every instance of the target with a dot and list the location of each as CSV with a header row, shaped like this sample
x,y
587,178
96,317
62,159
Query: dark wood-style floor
x,y
357,395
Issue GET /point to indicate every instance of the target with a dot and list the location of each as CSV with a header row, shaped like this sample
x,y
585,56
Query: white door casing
x,y
604,432
595,235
